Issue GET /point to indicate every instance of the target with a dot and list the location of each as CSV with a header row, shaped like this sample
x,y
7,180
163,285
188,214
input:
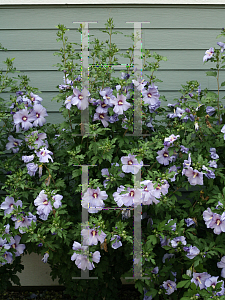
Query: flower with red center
x,y
120,103
13,144
93,200
163,156
22,117
194,176
9,204
103,117
43,155
131,164
151,95
44,206
92,236
39,112
81,98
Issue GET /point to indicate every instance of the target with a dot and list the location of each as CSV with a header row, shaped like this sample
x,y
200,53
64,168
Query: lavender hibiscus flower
x,y
22,117
194,176
218,223
131,164
15,244
44,155
13,144
44,206
9,204
151,95
32,168
117,243
39,112
208,54
221,264
200,278
192,251
93,200
121,104
91,236
163,157
222,45
81,98
169,286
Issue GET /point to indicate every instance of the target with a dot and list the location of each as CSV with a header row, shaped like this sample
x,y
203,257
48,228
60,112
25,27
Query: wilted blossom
x,y
222,45
213,153
44,155
13,144
189,222
57,200
212,164
167,256
194,176
145,296
221,264
93,200
192,251
9,205
219,204
151,95
210,110
45,257
131,164
177,240
163,156
91,236
170,286
173,227
173,169
208,54
117,243
164,241
139,83
171,139
209,174
120,103
28,158
200,278
32,169
184,149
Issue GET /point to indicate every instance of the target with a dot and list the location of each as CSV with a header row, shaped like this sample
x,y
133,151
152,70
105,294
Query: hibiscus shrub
x,y
179,156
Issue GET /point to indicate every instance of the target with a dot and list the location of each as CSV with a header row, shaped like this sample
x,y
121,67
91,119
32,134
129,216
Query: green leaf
x,y
182,283
211,73
223,83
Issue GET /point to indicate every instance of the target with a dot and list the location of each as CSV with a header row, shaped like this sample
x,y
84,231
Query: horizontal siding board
x,y
172,80
54,106
44,60
151,39
160,17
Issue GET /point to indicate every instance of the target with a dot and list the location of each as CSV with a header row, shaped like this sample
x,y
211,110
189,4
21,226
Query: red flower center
x,y
81,97
15,143
149,95
130,162
120,102
24,118
95,195
101,116
37,115
45,202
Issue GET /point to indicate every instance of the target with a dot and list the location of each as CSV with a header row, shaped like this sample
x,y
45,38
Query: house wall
x,y
181,32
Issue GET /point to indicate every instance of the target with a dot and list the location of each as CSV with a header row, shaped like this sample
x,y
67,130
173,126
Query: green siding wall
x,y
181,32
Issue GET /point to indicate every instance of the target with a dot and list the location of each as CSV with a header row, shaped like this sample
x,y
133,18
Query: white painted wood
x,y
35,273
91,2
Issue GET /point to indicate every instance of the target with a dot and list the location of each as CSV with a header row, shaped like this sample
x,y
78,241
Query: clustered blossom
x,y
44,206
205,280
82,260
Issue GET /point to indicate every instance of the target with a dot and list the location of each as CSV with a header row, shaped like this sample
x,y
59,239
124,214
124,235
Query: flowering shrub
x,y
180,158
